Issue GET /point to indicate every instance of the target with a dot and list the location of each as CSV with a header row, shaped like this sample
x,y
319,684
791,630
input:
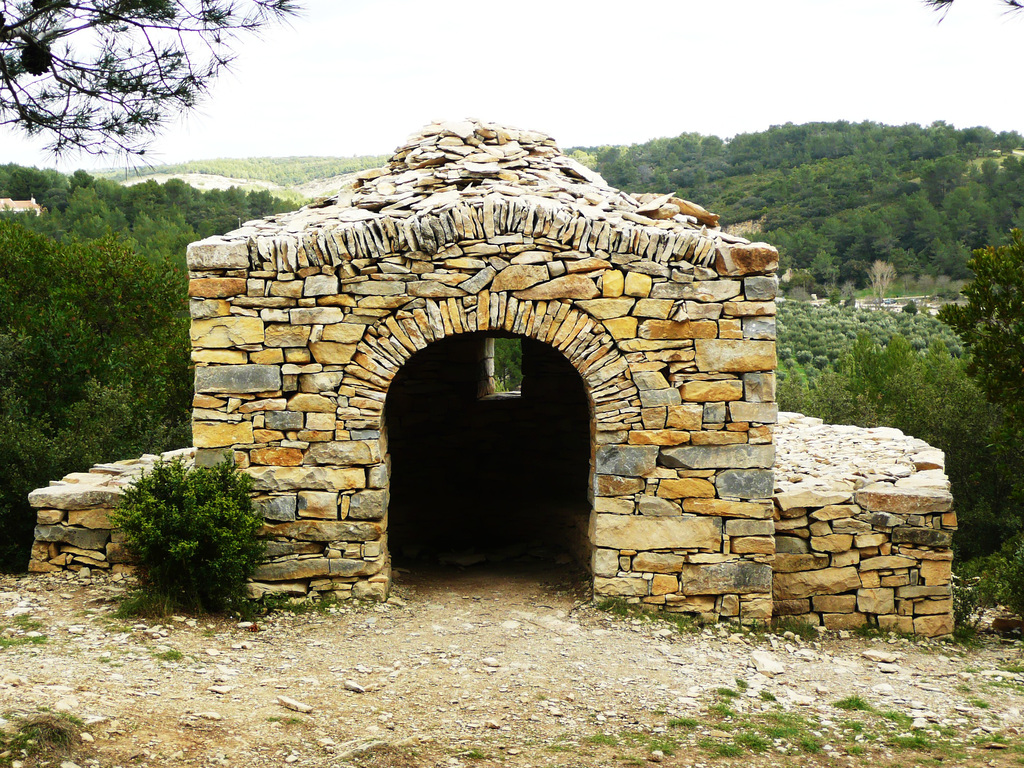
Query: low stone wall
x,y
863,528
73,530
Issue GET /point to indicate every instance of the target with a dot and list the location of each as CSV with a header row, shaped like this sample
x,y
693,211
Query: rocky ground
x,y
481,667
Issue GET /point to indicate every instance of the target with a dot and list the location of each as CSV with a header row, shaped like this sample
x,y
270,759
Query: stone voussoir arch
x,y
581,339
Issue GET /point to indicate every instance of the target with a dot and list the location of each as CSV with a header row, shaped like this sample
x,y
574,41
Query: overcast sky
x,y
353,77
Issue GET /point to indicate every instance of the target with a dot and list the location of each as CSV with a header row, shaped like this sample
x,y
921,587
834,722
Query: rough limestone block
x,y
656,507
96,517
277,508
324,530
216,253
745,258
760,288
216,287
73,496
760,328
519,277
627,460
686,487
303,478
368,505
614,485
283,420
933,626
792,563
719,457
566,287
684,416
343,453
321,505
620,587
605,562
879,600
811,496
835,603
711,391
670,329
238,379
885,497
83,538
320,285
638,284
825,581
738,577
332,353
759,387
658,562
762,413
791,545
644,533
221,434
223,332
745,483
293,569
726,508
286,335
742,527
733,356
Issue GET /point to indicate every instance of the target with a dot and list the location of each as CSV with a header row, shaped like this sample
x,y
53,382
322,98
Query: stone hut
x,y
343,355
345,358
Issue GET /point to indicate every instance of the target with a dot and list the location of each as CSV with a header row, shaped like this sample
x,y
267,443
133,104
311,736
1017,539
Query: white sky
x,y
353,77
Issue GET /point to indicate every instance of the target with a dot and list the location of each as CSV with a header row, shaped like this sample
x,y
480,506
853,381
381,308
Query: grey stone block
x,y
760,288
628,460
719,456
746,483
739,577
83,538
283,420
368,505
924,537
278,508
232,379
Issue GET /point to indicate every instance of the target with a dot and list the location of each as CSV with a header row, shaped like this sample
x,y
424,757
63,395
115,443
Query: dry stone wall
x,y
303,322
863,528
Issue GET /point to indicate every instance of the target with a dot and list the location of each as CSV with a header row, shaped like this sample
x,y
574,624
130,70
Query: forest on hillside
x,y
834,197
285,171
157,220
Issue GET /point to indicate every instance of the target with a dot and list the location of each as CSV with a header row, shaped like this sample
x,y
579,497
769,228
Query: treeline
x,y
910,371
158,220
285,171
834,197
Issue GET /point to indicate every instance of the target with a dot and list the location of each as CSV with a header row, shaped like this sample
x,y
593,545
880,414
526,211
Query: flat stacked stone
x,y
863,528
73,529
301,321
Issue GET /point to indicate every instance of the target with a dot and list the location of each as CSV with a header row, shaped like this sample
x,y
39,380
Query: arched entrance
x,y
483,477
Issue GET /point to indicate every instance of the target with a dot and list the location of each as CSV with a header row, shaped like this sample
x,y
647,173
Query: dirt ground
x,y
489,667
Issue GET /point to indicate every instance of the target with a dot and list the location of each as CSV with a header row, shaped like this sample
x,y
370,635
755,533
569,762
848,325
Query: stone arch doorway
x,y
482,477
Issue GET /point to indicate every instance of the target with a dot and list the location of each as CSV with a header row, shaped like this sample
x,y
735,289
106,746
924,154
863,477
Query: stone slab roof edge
x,y
469,180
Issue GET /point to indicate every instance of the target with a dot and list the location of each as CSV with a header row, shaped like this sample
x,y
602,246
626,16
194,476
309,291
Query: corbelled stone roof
x,y
467,179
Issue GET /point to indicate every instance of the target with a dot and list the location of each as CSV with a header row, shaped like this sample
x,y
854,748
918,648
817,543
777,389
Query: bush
x,y
193,533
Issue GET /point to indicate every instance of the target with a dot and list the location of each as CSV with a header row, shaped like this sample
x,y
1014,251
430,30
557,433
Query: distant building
x,y
20,206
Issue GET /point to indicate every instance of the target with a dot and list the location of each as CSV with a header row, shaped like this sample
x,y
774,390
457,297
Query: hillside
x,y
834,197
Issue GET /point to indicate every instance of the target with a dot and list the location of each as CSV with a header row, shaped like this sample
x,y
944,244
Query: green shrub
x,y
193,533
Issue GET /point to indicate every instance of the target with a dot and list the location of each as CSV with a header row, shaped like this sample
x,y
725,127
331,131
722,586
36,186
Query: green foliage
x,y
285,171
991,323
883,380
834,197
103,76
159,220
508,364
94,365
193,533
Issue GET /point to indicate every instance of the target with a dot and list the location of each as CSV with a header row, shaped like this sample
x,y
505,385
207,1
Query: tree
x,y
880,276
105,75
991,324
945,5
